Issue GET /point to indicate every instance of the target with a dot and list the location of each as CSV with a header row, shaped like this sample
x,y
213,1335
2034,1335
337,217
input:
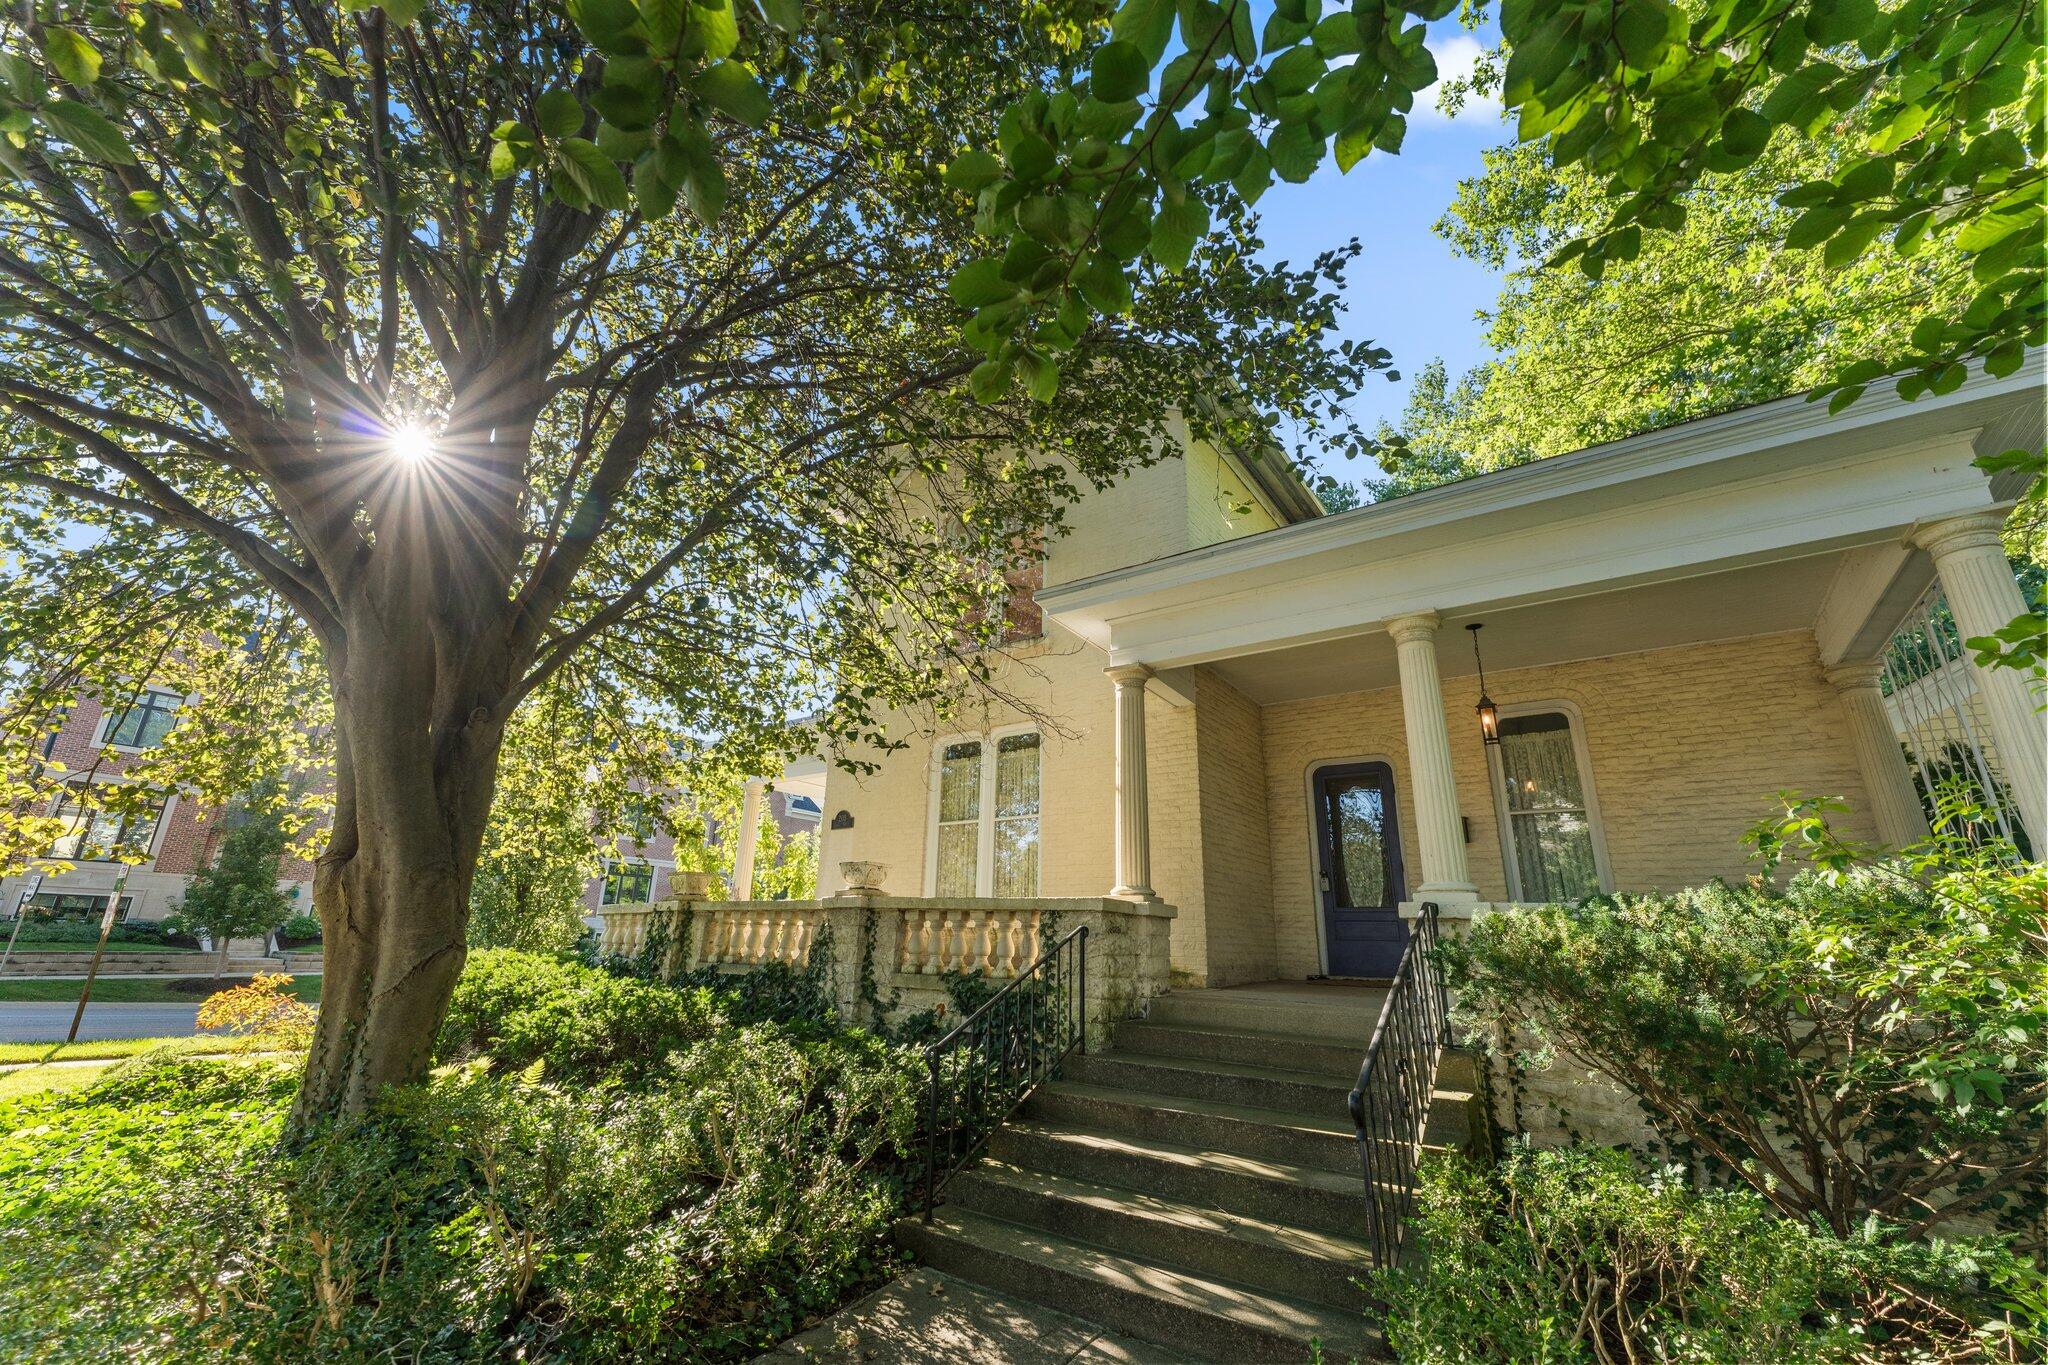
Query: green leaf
x,y
558,113
714,32
1815,226
732,90
1255,177
504,161
786,16
1337,34
1031,158
1104,284
1295,71
1146,24
1041,376
1745,132
76,60
974,169
653,193
87,129
663,20
1295,151
402,12
990,380
610,25
594,173
980,283
1641,27
704,189
1119,72
1175,232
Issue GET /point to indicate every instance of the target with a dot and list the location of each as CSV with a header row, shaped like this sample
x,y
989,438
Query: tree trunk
x,y
416,756
220,957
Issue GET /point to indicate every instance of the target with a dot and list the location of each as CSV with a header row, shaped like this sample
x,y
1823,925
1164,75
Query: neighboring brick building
x,y
641,869
99,744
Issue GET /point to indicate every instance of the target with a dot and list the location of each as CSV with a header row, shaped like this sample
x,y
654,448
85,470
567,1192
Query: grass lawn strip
x,y
130,990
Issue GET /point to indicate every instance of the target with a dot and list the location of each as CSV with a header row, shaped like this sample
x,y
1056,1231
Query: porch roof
x,y
1775,517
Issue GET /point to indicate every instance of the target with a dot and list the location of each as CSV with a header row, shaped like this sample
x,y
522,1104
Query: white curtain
x,y
1553,839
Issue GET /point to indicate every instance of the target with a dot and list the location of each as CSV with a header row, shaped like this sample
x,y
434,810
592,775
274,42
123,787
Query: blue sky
x,y
1407,292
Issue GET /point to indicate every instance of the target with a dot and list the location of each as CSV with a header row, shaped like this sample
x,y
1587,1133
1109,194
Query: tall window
x,y
1547,815
628,881
146,721
985,839
93,835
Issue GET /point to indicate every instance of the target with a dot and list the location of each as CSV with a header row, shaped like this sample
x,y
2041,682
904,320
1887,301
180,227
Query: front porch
x,y
1673,630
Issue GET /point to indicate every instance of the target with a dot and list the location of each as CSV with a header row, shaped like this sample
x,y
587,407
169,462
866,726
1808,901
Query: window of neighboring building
x,y
145,722
72,904
1549,823
628,881
986,817
94,835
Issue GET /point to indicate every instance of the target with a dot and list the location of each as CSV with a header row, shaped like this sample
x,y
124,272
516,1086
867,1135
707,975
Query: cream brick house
x,y
1233,691
1246,753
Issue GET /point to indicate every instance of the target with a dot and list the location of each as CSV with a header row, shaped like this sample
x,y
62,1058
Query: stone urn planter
x,y
694,886
863,879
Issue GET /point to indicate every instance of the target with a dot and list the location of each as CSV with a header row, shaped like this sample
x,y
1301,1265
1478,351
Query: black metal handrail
x,y
994,1058
1390,1106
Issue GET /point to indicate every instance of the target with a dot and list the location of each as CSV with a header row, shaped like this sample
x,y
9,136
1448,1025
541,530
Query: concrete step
x,y
1262,1087
1250,1047
1459,1070
1254,1187
1209,1318
1322,1141
1321,1267
1332,1013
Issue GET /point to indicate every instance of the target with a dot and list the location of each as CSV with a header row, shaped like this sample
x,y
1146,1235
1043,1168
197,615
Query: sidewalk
x,y
926,1318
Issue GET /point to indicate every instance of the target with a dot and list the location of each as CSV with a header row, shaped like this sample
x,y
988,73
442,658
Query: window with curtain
x,y
1016,816
95,835
959,832
986,838
1549,826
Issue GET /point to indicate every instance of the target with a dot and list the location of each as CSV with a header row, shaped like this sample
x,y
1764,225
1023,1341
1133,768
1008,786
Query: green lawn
x,y
110,1049
128,990
25,946
29,1080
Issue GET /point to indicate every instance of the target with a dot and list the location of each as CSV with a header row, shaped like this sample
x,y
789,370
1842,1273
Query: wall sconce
x,y
1489,714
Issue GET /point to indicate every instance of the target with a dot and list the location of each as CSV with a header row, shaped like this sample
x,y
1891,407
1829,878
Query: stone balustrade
x,y
913,945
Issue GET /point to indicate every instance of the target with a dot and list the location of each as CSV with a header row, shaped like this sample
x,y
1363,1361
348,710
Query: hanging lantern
x,y
1489,714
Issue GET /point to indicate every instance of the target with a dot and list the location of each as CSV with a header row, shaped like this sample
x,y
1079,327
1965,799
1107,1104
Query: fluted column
x,y
1438,830
1894,804
1133,820
1983,596
749,840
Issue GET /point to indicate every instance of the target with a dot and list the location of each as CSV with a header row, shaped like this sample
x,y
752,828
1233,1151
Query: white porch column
x,y
750,837
1133,821
1894,804
1437,827
1982,595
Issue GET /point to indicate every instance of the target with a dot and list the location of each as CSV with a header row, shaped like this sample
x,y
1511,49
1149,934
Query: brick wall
x,y
1236,835
1687,747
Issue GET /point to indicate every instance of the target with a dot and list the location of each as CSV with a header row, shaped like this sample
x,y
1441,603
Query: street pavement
x,y
45,1021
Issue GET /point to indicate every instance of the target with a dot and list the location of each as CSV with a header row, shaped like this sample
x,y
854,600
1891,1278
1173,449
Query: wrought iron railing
x,y
980,1072
1390,1106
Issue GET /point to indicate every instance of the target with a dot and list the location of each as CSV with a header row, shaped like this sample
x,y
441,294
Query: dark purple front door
x,y
1358,869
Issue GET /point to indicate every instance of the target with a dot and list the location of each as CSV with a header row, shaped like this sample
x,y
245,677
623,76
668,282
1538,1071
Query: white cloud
x,y
1455,58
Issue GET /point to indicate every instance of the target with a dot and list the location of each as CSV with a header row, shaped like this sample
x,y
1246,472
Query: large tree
x,y
1712,316
457,351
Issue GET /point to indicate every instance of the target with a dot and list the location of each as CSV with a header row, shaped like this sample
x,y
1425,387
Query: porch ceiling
x,y
1757,600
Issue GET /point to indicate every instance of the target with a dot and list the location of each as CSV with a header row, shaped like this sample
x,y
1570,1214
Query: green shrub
x,y
1570,1255
518,1008
300,929
1863,1042
727,1196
